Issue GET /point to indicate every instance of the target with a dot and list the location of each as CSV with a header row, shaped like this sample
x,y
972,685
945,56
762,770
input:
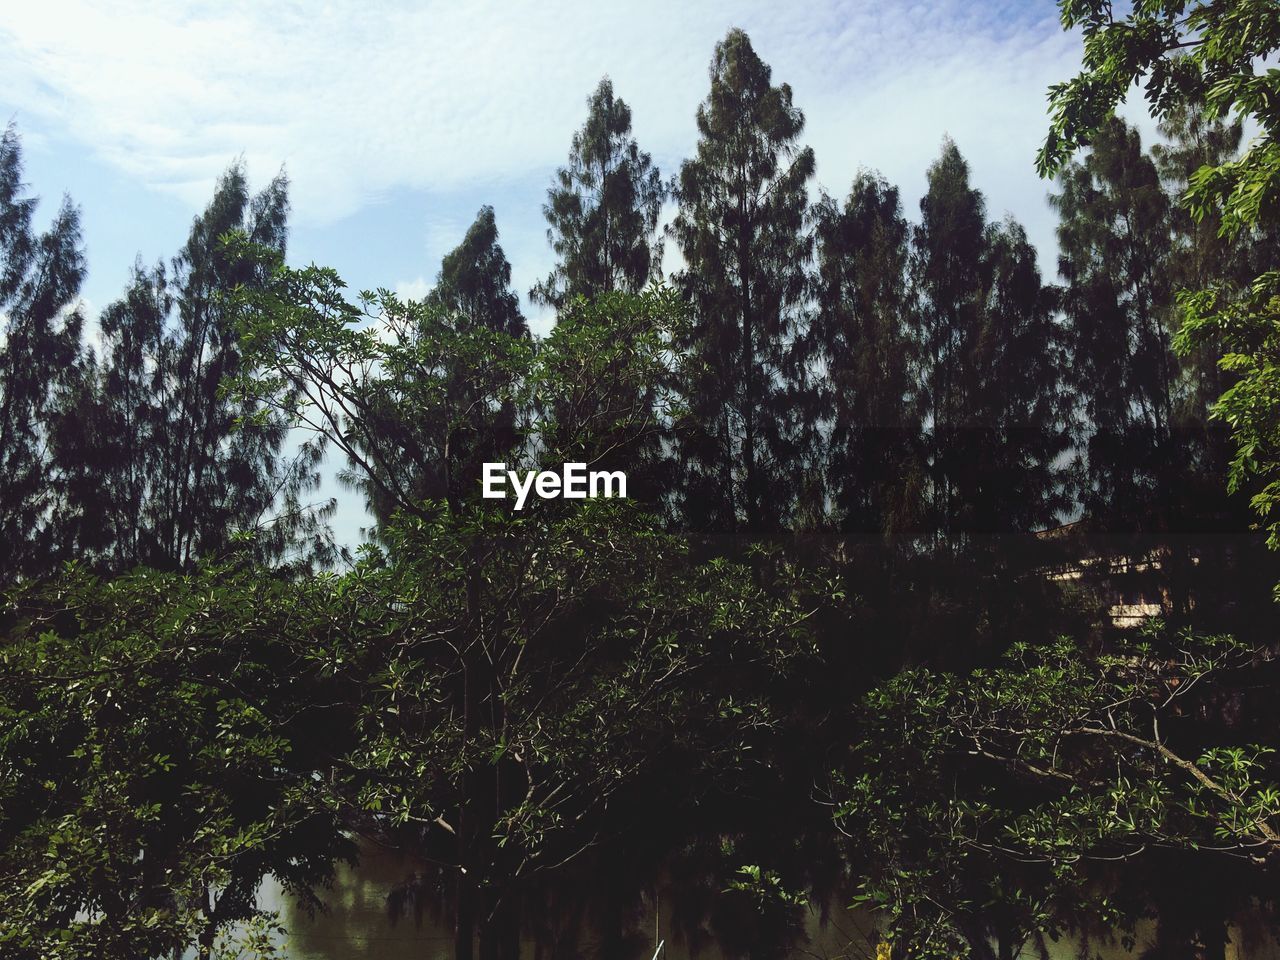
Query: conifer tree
x,y
603,209
602,213
42,363
860,324
1115,242
462,419
184,466
474,281
741,229
987,394
1019,419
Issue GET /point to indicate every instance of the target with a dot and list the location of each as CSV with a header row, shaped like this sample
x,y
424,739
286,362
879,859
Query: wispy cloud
x,y
363,98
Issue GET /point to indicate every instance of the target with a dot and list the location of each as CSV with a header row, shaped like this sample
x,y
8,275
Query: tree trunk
x,y
499,929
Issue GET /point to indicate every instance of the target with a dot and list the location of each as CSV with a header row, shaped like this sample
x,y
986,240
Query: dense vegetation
x,y
848,641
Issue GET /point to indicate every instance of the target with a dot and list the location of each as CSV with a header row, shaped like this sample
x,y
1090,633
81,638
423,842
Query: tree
x,y
185,467
41,364
1200,256
474,281
740,227
1185,55
1115,241
986,353
458,410
602,213
159,754
522,672
860,322
1022,406
603,209
989,806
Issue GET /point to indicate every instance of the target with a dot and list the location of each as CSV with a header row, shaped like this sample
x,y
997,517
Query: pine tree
x,y
603,214
186,467
1114,238
460,420
946,278
740,227
603,209
123,444
1020,408
42,363
1199,256
860,323
987,394
474,281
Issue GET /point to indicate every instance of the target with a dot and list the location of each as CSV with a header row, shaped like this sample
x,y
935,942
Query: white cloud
x,y
415,289
361,98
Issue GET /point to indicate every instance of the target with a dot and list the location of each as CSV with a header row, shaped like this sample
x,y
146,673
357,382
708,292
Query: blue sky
x,y
397,121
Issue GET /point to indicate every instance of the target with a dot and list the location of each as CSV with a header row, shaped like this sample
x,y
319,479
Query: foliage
x,y
982,803
417,399
742,207
1210,55
42,364
439,401
986,353
1114,236
543,668
474,281
602,210
173,469
157,752
569,703
860,325
519,671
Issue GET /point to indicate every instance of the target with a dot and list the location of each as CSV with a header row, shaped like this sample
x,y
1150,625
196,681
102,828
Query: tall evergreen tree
x,y
1114,238
1201,255
603,209
1020,408
1231,575
474,282
602,214
41,365
184,466
122,445
987,394
740,227
460,418
860,323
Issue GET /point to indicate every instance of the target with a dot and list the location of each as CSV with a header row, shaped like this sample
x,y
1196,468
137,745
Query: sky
x,y
396,122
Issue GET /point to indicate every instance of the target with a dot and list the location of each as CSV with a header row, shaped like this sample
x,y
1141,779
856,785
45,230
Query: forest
x,y
943,588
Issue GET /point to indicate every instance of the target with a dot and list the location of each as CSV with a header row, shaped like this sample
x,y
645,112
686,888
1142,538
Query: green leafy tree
x,y
740,227
585,662
42,364
523,671
989,807
161,735
447,404
1200,256
603,209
